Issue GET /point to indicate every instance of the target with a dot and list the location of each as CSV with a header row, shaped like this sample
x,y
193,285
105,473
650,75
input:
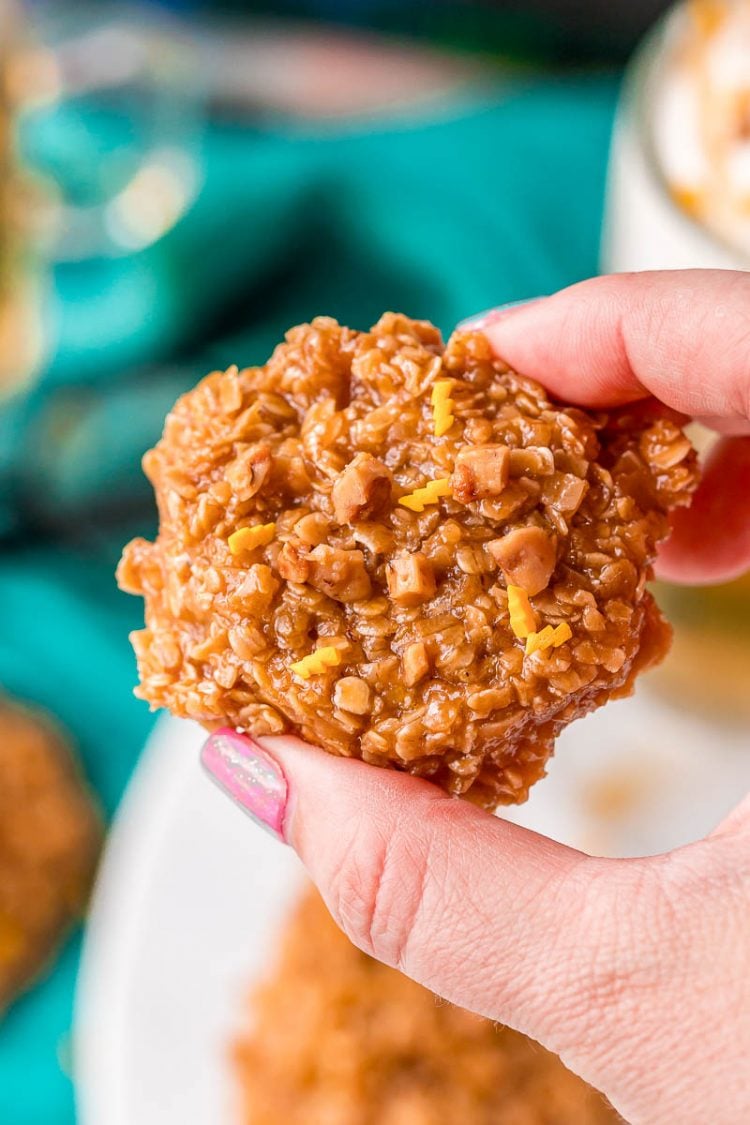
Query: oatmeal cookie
x,y
336,1037
403,551
49,841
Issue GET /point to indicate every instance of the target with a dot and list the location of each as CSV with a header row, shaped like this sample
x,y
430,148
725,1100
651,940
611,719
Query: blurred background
x,y
181,182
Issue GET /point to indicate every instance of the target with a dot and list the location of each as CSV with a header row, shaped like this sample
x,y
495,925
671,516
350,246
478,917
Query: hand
x,y
636,972
682,336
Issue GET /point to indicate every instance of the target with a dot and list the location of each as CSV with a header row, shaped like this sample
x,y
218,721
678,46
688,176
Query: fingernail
x,y
249,776
490,316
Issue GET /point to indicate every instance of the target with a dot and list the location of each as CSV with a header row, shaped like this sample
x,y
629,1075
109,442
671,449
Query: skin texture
x,y
637,972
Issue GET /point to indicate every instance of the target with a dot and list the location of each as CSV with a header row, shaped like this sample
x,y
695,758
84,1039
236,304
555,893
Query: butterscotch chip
x,y
293,562
362,490
480,471
403,544
339,1038
50,834
416,662
340,574
411,579
352,694
526,556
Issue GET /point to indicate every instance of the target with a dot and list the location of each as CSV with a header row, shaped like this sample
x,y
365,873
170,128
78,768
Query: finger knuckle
x,y
377,892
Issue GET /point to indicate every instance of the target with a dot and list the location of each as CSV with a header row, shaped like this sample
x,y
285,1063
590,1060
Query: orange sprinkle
x,y
317,662
522,616
430,494
248,538
441,390
442,406
548,638
537,642
563,633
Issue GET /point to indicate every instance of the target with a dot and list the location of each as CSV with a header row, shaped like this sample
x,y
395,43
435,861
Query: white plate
x,y
191,896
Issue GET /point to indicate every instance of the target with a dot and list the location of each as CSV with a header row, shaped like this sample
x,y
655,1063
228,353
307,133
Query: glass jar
x,y
645,227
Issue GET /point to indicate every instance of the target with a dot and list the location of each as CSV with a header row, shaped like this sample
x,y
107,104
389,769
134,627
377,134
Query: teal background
x,y
478,203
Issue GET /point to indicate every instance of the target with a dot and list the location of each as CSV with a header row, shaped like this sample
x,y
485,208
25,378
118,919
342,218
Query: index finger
x,y
681,335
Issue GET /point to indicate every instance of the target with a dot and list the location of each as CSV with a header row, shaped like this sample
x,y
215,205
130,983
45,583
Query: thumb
x,y
486,914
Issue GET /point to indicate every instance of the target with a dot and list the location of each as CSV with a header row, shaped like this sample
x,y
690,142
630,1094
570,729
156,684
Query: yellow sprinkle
x,y
317,662
522,616
430,494
442,406
563,633
548,638
537,642
442,417
441,390
248,538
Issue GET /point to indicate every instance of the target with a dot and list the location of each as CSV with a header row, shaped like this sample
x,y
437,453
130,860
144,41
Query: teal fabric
x,y
475,204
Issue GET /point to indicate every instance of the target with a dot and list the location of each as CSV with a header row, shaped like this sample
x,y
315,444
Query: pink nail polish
x,y
249,776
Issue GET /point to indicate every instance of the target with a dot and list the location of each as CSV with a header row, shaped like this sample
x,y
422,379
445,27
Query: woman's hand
x,y
637,972
682,336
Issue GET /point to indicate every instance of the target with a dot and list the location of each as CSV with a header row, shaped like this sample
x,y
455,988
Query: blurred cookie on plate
x,y
50,835
336,1038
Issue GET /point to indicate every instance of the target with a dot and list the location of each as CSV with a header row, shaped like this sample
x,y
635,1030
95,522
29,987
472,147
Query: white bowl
x,y
191,895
